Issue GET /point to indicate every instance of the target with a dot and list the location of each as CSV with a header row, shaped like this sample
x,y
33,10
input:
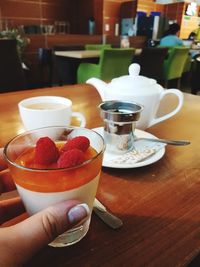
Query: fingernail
x,y
78,213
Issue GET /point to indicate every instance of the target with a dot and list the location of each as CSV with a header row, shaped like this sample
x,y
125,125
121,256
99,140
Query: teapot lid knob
x,y
134,69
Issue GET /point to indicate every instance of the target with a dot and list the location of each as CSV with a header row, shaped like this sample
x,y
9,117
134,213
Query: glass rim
x,y
52,169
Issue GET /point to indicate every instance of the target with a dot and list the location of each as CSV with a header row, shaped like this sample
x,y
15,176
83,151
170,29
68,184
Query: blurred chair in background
x,y
187,72
12,77
45,66
195,75
151,61
113,62
174,65
188,64
65,69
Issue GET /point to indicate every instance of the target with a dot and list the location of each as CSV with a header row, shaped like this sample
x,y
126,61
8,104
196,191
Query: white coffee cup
x,y
43,111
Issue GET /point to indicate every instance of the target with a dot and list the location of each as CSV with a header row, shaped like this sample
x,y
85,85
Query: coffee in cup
x,y
44,111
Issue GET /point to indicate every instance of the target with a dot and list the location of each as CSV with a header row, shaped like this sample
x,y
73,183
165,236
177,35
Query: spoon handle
x,y
169,142
108,218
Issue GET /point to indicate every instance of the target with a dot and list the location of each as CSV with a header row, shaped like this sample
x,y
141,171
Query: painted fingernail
x,y
78,213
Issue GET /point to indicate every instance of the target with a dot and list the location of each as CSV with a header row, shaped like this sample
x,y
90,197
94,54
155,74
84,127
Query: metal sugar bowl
x,y
119,124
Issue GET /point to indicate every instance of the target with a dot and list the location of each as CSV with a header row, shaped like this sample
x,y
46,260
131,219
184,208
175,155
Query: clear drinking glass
x,y
40,188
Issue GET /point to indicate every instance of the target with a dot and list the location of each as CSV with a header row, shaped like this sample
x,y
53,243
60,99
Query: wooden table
x,y
83,54
79,53
159,204
67,62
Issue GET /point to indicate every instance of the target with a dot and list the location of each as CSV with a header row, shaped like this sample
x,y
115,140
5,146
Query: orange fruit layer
x,y
54,180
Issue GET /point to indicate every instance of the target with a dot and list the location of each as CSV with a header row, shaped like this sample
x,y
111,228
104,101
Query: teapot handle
x,y
180,97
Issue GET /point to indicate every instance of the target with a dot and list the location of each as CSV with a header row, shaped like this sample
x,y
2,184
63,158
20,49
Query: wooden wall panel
x,y
112,9
174,11
20,9
34,12
50,12
77,12
81,12
128,9
98,6
148,6
111,16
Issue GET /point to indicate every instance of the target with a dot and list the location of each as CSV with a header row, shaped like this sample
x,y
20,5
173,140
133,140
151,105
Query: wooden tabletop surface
x,y
79,53
159,204
83,54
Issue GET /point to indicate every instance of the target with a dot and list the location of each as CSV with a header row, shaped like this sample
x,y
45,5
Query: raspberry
x,y
71,158
46,151
80,142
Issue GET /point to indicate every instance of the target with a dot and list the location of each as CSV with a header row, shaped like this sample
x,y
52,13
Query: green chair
x,y
188,64
97,46
113,62
174,65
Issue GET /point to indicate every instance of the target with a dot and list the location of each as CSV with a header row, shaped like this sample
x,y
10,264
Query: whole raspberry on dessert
x,y
46,151
71,158
80,142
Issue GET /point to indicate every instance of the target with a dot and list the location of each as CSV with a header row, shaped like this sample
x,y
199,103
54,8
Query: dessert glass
x,y
40,188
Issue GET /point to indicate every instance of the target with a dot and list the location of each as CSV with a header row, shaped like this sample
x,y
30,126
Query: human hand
x,y
21,241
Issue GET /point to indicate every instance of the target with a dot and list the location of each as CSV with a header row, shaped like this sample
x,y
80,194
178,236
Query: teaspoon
x,y
169,142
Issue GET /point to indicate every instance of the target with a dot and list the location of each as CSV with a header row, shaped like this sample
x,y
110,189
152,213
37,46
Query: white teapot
x,y
140,89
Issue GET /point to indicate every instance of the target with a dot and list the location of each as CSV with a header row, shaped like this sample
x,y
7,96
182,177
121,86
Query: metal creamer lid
x,y
120,111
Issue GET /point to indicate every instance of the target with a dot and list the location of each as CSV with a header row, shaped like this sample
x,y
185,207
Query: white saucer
x,y
110,160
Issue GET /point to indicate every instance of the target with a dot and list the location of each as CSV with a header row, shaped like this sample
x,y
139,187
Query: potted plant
x,y
22,41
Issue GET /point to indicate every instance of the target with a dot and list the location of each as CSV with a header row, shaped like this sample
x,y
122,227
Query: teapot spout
x,y
99,85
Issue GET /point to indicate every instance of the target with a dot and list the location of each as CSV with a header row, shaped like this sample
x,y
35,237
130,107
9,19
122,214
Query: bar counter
x,y
159,203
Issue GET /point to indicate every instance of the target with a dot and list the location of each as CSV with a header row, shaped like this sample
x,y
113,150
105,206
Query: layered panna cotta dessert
x,y
52,172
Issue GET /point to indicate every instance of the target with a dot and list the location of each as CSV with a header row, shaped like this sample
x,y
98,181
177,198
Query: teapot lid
x,y
133,80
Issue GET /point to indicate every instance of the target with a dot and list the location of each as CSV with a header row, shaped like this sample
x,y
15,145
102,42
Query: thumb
x,y
26,238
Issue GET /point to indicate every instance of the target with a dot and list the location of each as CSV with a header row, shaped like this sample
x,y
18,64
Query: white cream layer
x,y
36,201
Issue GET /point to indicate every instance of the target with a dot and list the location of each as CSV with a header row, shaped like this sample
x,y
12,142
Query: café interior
x,y
42,28
57,48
